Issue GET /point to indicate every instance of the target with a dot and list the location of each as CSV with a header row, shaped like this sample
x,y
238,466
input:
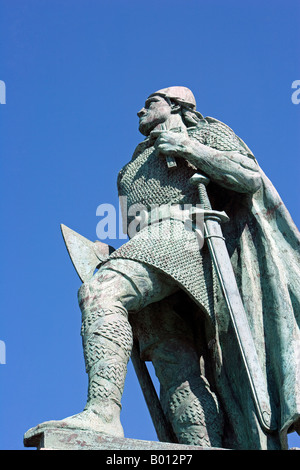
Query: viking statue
x,y
227,355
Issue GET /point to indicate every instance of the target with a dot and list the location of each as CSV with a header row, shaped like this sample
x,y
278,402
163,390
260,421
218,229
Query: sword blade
x,y
226,276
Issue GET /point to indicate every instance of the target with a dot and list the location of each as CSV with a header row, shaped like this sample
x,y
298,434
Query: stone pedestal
x,y
71,439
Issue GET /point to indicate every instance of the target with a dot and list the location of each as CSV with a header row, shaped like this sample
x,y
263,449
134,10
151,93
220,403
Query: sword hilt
x,y
170,160
202,181
209,214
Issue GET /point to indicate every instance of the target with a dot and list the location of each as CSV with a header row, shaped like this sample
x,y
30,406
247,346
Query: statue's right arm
x,y
231,169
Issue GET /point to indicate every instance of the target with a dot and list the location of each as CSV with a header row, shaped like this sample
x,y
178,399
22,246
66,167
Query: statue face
x,y
156,111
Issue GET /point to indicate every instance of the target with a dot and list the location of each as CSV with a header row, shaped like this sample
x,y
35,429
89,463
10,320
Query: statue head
x,y
167,108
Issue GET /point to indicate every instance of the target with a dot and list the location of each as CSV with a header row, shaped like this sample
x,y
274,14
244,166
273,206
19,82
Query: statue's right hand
x,y
170,143
155,134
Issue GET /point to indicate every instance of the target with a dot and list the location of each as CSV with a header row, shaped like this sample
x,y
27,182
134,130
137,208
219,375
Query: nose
x,y
141,112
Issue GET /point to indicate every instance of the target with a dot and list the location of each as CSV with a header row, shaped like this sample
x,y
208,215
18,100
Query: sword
x,y
221,260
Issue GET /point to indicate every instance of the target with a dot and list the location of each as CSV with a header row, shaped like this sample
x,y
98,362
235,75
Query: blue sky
x,y
76,73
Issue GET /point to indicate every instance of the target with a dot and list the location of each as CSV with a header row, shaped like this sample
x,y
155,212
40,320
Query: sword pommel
x,y
199,179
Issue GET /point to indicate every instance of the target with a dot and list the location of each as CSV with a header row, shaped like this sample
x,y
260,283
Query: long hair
x,y
190,116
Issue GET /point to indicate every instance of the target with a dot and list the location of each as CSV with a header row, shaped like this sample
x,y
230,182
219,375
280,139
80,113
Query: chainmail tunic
x,y
168,245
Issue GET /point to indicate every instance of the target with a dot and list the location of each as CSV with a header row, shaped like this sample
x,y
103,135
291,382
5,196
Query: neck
x,y
174,121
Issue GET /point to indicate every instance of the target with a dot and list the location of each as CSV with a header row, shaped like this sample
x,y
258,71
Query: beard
x,y
146,127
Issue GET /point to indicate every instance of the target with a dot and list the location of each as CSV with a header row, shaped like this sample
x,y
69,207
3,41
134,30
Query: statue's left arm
x,y
230,169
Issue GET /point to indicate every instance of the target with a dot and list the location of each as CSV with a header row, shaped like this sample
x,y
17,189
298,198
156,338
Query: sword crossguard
x,y
209,214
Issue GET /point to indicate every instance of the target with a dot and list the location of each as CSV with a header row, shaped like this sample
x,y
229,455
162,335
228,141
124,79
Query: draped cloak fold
x,y
264,246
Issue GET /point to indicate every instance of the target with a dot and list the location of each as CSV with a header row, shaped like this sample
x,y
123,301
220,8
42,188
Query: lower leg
x,y
187,399
194,413
107,343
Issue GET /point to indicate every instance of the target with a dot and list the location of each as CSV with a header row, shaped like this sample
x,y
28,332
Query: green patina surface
x,y
228,379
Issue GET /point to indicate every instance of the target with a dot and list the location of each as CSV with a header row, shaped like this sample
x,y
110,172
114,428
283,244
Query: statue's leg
x,y
169,339
188,400
119,286
107,342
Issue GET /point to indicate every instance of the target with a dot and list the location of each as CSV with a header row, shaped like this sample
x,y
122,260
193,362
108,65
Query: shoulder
x,y
214,133
141,147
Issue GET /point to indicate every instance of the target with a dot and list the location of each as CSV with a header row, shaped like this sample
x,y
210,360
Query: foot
x,y
105,421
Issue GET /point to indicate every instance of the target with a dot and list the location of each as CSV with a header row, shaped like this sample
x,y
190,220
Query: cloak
x,y
264,243
264,246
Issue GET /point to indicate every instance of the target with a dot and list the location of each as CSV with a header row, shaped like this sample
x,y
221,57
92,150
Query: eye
x,y
149,103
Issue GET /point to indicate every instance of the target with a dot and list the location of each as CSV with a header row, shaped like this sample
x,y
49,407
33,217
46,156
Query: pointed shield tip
x,y
81,252
63,229
85,255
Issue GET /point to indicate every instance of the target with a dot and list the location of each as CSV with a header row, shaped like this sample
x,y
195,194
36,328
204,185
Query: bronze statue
x,y
214,305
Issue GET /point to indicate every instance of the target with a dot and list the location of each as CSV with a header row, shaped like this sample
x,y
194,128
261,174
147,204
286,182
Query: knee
x,y
91,292
174,362
106,290
83,294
